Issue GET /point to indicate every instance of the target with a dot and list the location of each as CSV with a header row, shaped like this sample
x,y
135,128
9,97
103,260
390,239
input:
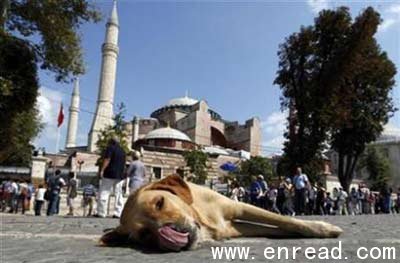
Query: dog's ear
x,y
175,185
114,238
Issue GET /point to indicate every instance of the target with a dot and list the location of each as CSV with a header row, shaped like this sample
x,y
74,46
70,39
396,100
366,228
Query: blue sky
x,y
224,52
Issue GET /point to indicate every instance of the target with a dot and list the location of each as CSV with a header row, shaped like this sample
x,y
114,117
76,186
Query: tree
x,y
35,33
116,130
196,160
336,83
255,166
24,126
377,166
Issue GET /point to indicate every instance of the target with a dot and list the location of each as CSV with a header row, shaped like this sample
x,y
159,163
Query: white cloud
x,y
386,24
391,129
391,17
48,103
273,128
394,9
318,5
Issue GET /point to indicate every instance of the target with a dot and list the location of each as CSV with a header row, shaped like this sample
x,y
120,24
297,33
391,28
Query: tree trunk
x,y
4,5
346,170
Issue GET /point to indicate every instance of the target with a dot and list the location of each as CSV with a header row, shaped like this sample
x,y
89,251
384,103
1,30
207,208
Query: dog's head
x,y
158,215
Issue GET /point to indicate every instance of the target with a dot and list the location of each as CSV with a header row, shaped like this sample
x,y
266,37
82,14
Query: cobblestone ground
x,y
60,239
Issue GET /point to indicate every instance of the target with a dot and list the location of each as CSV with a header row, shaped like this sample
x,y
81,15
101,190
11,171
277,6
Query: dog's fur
x,y
205,215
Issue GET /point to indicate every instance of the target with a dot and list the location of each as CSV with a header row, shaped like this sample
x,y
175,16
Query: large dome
x,y
182,101
167,133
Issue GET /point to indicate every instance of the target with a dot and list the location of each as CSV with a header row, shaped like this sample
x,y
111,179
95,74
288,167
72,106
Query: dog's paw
x,y
324,230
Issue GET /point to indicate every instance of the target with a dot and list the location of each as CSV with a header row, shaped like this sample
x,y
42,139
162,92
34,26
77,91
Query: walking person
x,y
136,173
39,199
89,193
111,177
301,182
72,193
54,185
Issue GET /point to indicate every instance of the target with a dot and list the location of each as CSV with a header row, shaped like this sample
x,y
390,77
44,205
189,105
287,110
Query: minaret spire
x,y
105,100
73,116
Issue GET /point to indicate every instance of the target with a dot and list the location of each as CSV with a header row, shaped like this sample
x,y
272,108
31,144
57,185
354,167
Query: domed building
x,y
184,124
203,125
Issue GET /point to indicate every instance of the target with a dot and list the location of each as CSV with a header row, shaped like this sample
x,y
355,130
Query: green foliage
x,y
56,23
116,130
197,162
336,83
18,91
24,126
32,33
377,166
253,167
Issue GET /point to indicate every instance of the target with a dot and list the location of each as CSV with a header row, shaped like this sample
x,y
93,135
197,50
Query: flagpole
x,y
57,139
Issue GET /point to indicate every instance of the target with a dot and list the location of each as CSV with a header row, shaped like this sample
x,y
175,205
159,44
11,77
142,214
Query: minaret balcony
x,y
110,47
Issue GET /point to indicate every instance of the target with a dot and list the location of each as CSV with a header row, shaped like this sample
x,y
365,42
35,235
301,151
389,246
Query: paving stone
x,y
61,239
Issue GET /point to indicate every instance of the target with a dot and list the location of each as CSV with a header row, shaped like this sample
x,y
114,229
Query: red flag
x,y
60,118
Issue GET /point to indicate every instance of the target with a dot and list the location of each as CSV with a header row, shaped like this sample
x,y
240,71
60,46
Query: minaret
x,y
73,117
105,100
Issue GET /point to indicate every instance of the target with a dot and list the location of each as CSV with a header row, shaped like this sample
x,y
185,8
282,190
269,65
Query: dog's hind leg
x,y
248,229
289,225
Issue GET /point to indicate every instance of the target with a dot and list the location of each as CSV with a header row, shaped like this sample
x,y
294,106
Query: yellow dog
x,y
174,215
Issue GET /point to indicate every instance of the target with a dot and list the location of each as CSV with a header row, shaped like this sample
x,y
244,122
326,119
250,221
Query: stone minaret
x,y
73,117
105,101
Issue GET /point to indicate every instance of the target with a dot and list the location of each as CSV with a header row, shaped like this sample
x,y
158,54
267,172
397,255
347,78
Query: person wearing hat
x,y
136,172
111,176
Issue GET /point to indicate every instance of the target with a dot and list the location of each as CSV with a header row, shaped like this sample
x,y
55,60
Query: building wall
x,y
391,150
146,126
245,137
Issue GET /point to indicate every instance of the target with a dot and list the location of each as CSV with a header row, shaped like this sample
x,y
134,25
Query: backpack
x,y
54,183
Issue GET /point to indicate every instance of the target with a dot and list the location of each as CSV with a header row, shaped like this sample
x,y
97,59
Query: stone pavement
x,y
60,239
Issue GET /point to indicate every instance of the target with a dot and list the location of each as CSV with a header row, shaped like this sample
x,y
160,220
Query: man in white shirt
x,y
301,182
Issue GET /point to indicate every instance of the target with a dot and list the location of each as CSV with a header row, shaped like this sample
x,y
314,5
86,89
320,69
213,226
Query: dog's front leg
x,y
302,228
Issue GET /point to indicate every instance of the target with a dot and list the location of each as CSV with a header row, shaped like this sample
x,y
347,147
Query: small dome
x,y
167,133
182,101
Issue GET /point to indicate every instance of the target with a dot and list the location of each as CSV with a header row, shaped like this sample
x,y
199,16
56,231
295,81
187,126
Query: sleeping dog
x,y
175,215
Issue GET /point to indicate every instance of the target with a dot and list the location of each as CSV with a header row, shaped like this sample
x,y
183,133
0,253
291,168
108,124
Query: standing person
x,y
301,182
136,172
111,176
89,193
264,190
354,208
54,185
398,201
14,196
255,192
342,202
312,195
39,199
31,191
320,200
237,192
23,195
280,199
271,197
288,203
71,192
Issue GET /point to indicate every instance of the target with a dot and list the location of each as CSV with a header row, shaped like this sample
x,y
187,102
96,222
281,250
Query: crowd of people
x,y
297,196
114,174
19,196
291,196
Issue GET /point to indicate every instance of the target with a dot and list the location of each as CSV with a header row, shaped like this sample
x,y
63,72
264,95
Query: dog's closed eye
x,y
160,203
